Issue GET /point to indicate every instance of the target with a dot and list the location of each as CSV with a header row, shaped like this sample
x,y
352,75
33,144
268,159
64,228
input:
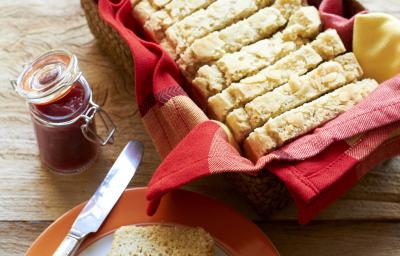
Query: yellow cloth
x,y
376,44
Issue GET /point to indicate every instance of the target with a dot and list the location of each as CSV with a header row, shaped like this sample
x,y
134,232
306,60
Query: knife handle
x,y
69,245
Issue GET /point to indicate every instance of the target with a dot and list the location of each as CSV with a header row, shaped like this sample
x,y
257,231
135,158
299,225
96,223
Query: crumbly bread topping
x,y
301,120
216,16
298,90
265,52
270,50
296,63
172,12
263,23
253,57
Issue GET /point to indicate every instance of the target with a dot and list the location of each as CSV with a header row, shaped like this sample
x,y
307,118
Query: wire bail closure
x,y
92,134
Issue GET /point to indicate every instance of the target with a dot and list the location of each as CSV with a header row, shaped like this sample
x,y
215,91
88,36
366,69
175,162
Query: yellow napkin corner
x,y
376,44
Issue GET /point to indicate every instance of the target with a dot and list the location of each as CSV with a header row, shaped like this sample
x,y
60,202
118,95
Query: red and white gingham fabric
x,y
316,168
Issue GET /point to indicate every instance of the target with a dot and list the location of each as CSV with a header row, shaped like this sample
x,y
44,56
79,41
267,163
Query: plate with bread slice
x,y
186,223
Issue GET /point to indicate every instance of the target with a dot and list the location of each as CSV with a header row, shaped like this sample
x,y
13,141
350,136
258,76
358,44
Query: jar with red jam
x,y
63,112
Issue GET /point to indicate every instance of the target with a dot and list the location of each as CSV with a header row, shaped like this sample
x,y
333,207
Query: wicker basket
x,y
109,40
265,192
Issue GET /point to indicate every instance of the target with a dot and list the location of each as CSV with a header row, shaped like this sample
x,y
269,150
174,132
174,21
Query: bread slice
x,y
261,24
299,90
172,12
326,46
303,119
237,94
252,58
304,24
162,241
218,15
329,75
210,79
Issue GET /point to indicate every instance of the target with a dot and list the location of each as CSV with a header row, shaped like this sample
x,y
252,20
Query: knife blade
x,y
103,200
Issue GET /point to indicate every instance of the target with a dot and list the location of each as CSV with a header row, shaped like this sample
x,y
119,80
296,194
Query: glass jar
x,y
62,111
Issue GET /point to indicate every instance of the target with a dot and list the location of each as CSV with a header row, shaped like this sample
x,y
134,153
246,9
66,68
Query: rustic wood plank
x,y
16,237
335,238
345,209
382,183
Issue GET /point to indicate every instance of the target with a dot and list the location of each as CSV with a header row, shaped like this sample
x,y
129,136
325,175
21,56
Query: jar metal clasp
x,y
105,118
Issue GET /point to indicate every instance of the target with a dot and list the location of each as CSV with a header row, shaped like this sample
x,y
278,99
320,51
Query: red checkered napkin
x,y
316,168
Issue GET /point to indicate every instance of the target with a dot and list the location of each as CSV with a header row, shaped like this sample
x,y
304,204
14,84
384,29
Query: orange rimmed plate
x,y
233,233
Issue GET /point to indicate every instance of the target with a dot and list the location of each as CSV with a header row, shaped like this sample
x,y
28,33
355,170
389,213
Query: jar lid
x,y
48,77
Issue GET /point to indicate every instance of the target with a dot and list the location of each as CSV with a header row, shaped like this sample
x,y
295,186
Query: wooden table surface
x,y
366,221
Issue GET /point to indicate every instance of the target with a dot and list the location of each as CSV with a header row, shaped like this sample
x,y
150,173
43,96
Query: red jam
x,y
66,106
64,148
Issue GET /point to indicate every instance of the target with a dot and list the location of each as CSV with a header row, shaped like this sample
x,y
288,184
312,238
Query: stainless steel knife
x,y
107,194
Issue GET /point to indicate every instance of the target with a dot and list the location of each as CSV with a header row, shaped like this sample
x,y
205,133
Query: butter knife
x,y
107,194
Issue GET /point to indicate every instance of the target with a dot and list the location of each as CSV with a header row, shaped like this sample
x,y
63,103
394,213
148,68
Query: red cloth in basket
x,y
316,168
